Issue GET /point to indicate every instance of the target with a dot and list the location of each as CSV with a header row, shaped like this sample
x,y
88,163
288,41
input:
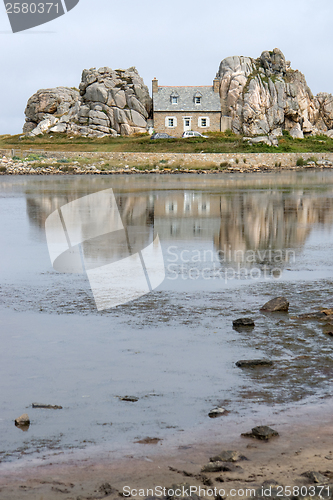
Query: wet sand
x,y
304,444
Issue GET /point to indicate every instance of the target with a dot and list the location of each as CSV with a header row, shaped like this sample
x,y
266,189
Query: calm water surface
x,y
230,243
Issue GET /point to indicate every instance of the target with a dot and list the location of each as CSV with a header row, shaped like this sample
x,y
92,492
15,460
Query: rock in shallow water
x,y
217,412
131,399
277,304
253,363
262,432
47,407
23,420
241,322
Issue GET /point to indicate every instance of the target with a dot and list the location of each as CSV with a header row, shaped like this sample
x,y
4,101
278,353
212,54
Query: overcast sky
x,y
181,42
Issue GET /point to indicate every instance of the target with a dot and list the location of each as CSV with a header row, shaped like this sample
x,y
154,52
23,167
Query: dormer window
x,y
174,98
197,98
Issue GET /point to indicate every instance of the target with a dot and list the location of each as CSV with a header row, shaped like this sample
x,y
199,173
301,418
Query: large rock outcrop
x,y
49,104
108,103
265,95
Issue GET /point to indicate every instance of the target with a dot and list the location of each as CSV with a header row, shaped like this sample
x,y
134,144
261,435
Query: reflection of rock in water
x,y
250,226
261,227
136,213
39,208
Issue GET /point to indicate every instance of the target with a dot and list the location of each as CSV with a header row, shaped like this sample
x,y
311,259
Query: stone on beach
x,y
213,467
220,466
315,477
277,304
227,456
262,432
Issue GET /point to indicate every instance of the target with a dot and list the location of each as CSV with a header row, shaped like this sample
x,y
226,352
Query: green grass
x,y
217,142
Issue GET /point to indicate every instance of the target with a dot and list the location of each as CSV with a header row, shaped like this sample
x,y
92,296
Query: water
x,y
230,243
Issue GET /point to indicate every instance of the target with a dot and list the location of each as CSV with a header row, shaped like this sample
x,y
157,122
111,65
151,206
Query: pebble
x,y
217,412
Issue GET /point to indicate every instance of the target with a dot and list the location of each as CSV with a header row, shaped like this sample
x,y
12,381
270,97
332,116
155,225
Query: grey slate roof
x,y
210,100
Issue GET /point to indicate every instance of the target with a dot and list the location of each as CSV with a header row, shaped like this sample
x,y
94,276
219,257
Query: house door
x,y
187,123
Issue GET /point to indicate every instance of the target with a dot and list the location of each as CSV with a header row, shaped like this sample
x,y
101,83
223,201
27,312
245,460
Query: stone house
x,y
177,109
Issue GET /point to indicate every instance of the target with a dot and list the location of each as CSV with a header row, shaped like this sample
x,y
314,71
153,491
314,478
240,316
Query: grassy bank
x,y
217,142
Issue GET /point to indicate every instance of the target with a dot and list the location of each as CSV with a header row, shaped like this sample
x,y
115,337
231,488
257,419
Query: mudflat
x,y
304,445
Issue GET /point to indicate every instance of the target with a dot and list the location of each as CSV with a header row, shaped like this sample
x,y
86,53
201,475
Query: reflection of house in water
x,y
236,220
243,224
187,215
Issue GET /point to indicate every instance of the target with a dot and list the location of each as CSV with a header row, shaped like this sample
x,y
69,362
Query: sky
x,y
180,42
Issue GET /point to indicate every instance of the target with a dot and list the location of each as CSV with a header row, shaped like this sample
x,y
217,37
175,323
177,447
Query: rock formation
x,y
264,96
49,105
109,103
260,97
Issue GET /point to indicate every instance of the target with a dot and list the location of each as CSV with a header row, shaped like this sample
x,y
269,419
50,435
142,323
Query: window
x,y
171,206
187,122
174,97
171,122
197,98
203,122
204,207
196,228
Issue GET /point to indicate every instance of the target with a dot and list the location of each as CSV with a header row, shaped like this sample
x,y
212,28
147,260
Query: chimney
x,y
155,86
216,85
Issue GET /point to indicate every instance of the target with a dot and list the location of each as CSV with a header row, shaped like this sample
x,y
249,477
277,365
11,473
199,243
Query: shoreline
x,y
41,162
304,444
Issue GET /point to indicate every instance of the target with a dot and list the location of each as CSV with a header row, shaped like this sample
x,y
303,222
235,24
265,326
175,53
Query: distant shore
x,y
39,162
